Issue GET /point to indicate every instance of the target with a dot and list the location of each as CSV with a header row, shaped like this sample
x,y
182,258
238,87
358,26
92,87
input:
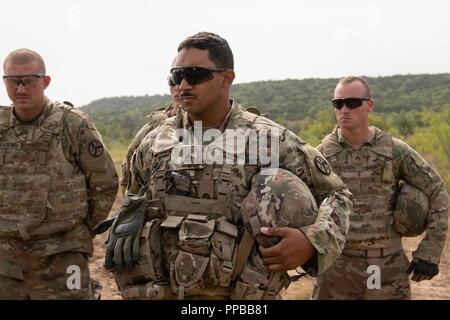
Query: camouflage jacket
x,y
84,150
404,164
327,234
155,119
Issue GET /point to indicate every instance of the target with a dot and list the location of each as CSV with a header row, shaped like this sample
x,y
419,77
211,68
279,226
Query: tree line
x,y
415,108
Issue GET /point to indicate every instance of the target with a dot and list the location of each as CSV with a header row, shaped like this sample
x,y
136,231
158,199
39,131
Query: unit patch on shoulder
x,y
95,148
322,165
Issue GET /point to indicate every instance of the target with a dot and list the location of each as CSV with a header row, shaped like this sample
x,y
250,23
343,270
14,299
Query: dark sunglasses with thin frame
x,y
351,103
193,75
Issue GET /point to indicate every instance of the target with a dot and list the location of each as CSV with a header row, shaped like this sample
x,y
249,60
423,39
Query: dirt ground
x,y
437,288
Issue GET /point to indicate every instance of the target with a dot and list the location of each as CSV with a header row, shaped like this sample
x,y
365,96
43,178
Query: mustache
x,y
187,94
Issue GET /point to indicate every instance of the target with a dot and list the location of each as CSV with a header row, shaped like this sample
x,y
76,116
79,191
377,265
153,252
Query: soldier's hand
x,y
293,250
122,247
423,270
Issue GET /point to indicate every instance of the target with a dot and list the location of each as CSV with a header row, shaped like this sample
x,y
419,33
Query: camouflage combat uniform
x,y
155,119
57,181
187,262
371,173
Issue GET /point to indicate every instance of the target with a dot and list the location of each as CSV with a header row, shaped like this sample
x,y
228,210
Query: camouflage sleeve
x,y
414,170
92,157
328,233
125,166
139,161
320,147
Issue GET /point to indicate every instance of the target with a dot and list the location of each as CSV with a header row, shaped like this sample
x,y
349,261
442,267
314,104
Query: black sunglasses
x,y
351,103
193,75
170,81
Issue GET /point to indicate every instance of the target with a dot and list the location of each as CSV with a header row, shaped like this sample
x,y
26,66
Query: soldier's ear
x,y
47,80
228,77
371,105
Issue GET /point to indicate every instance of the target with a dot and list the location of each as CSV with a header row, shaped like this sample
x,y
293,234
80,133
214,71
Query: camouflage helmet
x,y
279,199
410,211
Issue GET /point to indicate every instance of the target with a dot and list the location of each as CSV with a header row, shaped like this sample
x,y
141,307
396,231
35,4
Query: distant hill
x,y
120,118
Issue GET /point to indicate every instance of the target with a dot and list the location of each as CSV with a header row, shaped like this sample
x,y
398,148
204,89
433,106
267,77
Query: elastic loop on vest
x,y
2,157
181,293
23,232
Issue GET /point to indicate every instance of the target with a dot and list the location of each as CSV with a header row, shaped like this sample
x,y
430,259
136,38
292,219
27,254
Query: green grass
x,y
117,150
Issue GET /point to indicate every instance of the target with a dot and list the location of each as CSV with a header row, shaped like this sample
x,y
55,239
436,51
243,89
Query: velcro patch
x,y
10,145
95,148
322,165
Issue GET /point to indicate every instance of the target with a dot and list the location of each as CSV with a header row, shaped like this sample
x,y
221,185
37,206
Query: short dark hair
x,y
24,56
219,51
351,79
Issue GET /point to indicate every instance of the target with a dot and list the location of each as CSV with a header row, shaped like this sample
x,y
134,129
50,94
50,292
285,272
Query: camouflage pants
x,y
49,278
348,278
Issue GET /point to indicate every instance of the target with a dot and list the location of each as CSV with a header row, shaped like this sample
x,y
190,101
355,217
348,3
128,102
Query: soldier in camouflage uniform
x,y
155,119
57,181
372,164
194,244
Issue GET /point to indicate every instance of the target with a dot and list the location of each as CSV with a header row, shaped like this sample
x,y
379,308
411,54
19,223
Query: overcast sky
x,y
96,49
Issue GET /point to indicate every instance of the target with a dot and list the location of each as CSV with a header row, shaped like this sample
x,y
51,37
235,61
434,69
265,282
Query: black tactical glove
x,y
104,225
122,246
423,270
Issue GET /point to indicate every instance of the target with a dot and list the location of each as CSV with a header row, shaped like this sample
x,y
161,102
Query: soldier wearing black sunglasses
x,y
373,164
196,245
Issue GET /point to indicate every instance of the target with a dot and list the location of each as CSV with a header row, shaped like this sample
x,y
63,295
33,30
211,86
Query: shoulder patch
x,y
322,165
96,148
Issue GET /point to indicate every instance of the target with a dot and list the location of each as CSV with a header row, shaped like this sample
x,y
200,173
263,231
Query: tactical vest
x,y
200,228
40,194
368,174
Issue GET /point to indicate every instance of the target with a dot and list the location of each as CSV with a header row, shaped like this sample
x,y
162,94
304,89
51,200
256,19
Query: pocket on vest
x,y
23,201
195,235
206,255
149,266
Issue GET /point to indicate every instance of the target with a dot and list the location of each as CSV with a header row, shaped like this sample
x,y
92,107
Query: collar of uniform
x,y
369,142
235,109
372,136
235,115
224,123
330,144
14,121
382,142
340,137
